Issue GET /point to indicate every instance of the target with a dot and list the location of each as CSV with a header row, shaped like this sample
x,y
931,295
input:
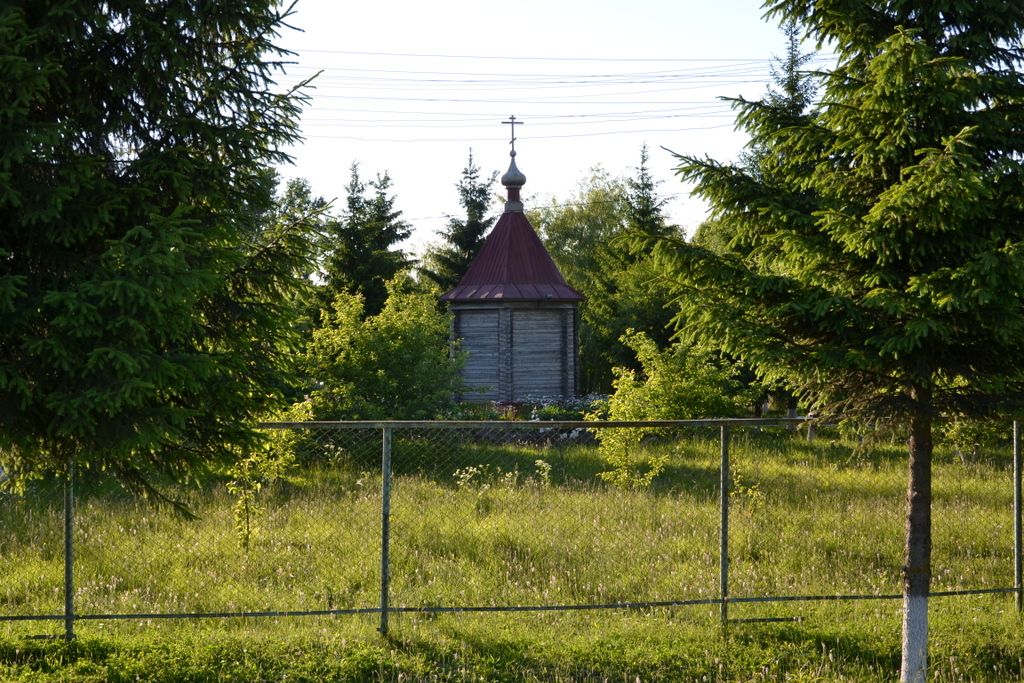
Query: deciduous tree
x,y
578,235
392,365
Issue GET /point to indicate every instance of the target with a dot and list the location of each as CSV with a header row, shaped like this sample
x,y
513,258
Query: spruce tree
x,y
445,264
639,298
362,257
645,210
141,316
883,274
790,97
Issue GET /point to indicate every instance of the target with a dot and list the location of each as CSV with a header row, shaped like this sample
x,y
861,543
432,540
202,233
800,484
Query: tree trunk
x,y
917,554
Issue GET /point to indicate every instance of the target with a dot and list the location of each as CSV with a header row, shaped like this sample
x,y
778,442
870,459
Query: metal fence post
x,y
69,550
385,527
724,548
1018,578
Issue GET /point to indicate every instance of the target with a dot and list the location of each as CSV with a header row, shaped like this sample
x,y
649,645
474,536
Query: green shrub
x,y
970,439
676,383
566,409
393,365
274,459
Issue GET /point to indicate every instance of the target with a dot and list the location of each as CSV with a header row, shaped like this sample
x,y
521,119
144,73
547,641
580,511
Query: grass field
x,y
479,522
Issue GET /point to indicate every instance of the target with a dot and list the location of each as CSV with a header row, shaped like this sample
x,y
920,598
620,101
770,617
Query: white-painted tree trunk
x,y
914,666
918,550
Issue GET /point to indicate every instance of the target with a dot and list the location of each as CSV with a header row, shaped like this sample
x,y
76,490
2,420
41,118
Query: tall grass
x,y
491,523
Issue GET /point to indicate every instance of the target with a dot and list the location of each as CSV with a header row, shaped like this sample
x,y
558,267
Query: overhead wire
x,y
410,98
534,58
385,91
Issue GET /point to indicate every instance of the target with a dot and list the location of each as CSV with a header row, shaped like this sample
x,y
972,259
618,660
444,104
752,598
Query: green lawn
x,y
500,524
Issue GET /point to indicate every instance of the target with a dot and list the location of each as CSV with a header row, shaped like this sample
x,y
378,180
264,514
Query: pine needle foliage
x,y
446,263
143,306
885,243
878,258
361,257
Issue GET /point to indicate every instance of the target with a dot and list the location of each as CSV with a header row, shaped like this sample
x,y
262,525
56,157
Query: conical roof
x,y
513,264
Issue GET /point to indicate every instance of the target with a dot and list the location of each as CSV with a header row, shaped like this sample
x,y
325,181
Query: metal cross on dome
x,y
512,122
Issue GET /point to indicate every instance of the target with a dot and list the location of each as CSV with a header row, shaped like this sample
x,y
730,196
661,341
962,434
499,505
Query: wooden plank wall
x,y
538,354
518,351
479,333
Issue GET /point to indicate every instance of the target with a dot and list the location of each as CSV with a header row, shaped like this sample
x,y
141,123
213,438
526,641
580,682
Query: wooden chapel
x,y
514,314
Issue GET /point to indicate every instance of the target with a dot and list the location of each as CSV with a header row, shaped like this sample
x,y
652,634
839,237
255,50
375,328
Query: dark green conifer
x,y
361,256
446,263
141,316
882,272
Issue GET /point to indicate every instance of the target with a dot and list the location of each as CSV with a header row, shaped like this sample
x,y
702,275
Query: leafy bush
x,y
971,438
274,459
474,411
677,383
393,365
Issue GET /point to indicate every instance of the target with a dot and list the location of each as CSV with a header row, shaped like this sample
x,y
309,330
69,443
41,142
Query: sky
x,y
410,87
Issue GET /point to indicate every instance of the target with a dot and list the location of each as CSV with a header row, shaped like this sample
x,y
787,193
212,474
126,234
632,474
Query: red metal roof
x,y
513,265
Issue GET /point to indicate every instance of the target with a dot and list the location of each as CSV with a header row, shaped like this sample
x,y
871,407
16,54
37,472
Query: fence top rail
x,y
537,424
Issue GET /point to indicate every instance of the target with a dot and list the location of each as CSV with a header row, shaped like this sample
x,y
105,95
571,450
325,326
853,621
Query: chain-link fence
x,y
392,517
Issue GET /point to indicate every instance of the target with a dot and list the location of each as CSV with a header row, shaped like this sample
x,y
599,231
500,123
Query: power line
x,y
489,123
350,72
532,137
519,58
489,116
516,101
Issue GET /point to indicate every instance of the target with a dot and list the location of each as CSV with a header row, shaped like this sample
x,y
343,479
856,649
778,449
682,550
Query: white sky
x,y
409,87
